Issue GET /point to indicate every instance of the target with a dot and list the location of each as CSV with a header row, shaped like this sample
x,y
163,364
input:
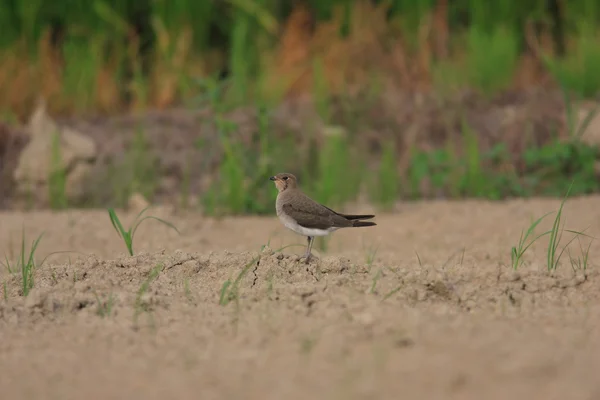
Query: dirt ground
x,y
437,314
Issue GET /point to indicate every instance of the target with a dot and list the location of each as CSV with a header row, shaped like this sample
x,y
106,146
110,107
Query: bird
x,y
303,215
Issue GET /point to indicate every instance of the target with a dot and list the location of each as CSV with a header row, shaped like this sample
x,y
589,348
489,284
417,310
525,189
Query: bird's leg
x,y
308,249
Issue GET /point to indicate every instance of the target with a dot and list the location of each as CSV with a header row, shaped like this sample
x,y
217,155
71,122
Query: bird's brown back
x,y
309,213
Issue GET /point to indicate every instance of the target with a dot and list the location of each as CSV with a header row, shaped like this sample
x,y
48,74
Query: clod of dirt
x,y
440,289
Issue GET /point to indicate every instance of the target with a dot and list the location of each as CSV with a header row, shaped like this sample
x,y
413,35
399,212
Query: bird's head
x,y
284,181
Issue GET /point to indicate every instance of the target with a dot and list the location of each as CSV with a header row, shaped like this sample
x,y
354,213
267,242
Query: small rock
x,y
75,154
513,276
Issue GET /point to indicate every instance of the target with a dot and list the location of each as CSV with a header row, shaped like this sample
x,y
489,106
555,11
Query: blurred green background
x,y
106,54
114,56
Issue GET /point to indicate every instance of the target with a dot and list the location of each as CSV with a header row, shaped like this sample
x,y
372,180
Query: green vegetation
x,y
387,187
57,179
554,253
580,262
517,252
25,264
110,55
338,175
128,235
114,56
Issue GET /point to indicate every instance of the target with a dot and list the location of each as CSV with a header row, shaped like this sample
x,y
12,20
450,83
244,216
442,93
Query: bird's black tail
x,y
357,224
352,217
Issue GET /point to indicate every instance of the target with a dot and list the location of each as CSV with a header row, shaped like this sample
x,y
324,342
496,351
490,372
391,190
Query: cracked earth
x,y
424,305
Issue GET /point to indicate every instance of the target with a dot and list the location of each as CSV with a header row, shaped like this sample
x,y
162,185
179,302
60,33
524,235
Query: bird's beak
x,y
272,178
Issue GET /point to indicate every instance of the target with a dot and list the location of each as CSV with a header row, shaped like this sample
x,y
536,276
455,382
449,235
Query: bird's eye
x,y
285,178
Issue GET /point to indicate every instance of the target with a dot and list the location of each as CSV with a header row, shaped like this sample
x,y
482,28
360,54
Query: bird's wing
x,y
310,214
307,219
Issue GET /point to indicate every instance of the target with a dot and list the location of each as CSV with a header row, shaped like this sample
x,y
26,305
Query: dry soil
x,y
423,306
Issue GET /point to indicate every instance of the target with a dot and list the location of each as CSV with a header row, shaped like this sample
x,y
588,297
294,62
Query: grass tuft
x,y
580,263
26,264
553,253
517,252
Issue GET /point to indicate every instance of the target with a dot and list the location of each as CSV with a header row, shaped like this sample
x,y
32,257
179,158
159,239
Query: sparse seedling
x,y
516,252
371,254
391,293
128,235
25,263
553,255
270,280
53,276
375,280
140,305
580,263
453,255
556,232
187,290
104,307
230,289
418,259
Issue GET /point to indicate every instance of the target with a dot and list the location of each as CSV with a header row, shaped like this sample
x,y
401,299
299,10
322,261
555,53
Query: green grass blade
x,y
534,225
555,266
556,234
140,213
32,250
7,265
391,293
22,249
170,225
116,223
580,233
222,299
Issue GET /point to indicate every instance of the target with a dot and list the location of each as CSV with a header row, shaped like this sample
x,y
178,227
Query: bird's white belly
x,y
291,224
